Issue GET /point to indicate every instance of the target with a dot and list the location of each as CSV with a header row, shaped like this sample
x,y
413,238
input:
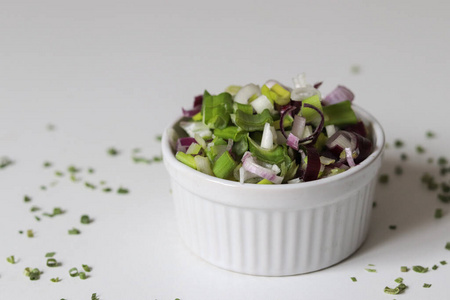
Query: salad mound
x,y
272,134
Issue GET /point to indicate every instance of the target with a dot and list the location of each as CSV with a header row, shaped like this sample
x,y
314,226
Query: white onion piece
x,y
276,169
294,180
302,93
200,140
349,156
203,164
299,81
173,138
307,132
246,92
331,129
274,135
229,145
249,164
196,127
244,175
298,126
261,103
326,160
267,137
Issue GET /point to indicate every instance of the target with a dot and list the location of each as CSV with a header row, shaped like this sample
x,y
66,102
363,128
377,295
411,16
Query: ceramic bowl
x,y
275,230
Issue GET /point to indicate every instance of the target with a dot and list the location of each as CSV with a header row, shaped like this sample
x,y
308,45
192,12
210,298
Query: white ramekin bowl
x,y
275,230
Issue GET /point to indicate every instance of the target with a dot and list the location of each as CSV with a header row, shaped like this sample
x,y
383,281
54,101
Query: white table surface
x,y
115,73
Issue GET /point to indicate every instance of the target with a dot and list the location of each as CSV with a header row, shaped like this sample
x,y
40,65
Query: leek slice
x,y
253,122
339,114
216,109
224,165
276,155
230,132
186,159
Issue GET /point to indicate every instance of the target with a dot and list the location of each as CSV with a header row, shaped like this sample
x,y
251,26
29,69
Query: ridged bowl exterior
x,y
275,230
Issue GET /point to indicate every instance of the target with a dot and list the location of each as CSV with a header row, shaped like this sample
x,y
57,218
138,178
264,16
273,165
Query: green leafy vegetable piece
x,y
51,262
395,291
384,178
253,122
398,143
420,269
186,159
339,114
216,109
73,272
11,259
122,191
276,155
86,268
85,219
4,162
74,231
113,151
224,165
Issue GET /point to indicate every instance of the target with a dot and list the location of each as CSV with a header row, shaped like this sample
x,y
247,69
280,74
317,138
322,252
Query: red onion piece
x,y
358,128
184,143
317,85
249,164
288,109
313,166
349,157
197,107
318,129
292,141
339,94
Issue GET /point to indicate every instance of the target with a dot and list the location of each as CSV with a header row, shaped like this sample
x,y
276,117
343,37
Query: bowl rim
x,y
379,143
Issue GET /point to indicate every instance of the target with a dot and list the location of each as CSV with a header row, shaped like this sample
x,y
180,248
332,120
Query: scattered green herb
x,y
426,285
85,219
91,170
404,269
34,208
122,190
430,134
95,297
56,279
50,254
398,143
435,267
392,227
82,275
398,170
37,218
43,187
420,149
353,279
90,185
113,151
73,272
419,269
74,231
370,270
30,233
11,259
50,127
33,274
438,213
59,173
56,211
51,262
107,190
399,280
442,161
395,291
355,69
5,162
159,137
443,262
26,198
72,169
403,156
47,164
86,268
384,178
447,246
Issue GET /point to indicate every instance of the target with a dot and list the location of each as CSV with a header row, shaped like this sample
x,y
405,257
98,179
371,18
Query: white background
x,y
115,73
